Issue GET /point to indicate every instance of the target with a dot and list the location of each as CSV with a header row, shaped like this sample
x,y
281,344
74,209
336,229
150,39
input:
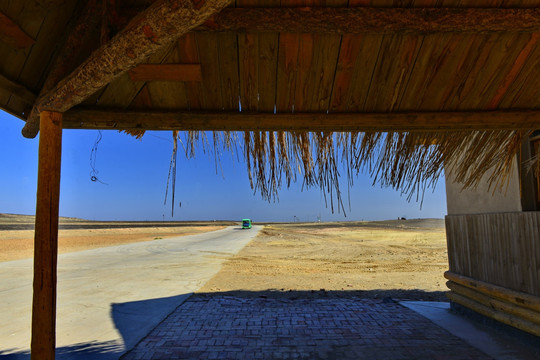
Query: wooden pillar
x,y
46,237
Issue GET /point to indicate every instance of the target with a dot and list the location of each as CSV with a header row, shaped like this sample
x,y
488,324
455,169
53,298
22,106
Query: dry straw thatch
x,y
409,162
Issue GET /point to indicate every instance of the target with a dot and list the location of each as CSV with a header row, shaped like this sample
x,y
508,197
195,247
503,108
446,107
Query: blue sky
x,y
134,175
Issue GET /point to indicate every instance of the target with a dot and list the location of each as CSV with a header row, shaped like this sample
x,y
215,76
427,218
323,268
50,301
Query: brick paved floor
x,y
225,327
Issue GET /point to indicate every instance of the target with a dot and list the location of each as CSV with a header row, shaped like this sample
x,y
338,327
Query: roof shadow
x,y
91,350
312,324
388,294
346,324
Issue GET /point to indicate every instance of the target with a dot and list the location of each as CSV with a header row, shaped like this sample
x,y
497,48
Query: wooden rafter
x,y
162,23
236,121
110,20
49,4
17,90
374,20
12,34
166,72
88,20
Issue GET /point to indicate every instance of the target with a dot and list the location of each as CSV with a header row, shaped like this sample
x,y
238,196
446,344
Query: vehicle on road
x,y
246,223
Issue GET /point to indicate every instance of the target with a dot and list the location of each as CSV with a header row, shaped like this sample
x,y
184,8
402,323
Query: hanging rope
x,y
93,157
171,178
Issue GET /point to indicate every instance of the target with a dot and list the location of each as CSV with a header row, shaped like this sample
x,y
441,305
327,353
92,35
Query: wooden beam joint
x,y
66,60
156,27
17,90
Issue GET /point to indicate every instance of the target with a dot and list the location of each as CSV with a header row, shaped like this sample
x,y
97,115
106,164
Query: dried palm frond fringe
x,y
408,162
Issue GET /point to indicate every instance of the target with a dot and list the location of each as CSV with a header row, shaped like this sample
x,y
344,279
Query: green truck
x,y
246,223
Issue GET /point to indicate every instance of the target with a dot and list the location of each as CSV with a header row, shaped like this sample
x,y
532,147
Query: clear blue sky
x,y
135,173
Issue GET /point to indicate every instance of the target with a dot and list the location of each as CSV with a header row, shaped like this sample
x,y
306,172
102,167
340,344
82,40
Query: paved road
x,y
109,298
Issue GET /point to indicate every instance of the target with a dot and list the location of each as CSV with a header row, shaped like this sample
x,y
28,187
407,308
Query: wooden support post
x,y
46,237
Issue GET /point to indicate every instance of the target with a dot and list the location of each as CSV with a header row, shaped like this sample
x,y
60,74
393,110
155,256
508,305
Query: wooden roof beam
x,y
67,58
162,23
13,35
49,4
363,20
242,121
17,90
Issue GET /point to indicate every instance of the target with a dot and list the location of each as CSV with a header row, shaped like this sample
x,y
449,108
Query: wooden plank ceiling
x,y
273,72
44,22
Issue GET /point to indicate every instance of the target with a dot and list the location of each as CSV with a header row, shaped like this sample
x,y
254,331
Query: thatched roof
x,y
413,85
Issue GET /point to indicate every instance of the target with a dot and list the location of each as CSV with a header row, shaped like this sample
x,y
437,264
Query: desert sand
x,y
397,259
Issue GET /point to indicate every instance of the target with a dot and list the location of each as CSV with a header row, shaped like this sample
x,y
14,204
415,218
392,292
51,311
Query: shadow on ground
x,y
133,320
311,324
90,350
318,324
386,294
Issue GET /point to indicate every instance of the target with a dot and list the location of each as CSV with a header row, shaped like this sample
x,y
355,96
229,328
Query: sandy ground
x,y
397,259
19,244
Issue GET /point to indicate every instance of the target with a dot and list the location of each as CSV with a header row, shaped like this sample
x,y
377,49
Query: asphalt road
x,y
109,298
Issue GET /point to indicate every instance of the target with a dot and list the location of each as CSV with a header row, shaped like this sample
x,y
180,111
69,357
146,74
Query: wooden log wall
x,y
495,266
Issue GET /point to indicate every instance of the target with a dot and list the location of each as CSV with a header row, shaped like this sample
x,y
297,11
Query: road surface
x,y
109,298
